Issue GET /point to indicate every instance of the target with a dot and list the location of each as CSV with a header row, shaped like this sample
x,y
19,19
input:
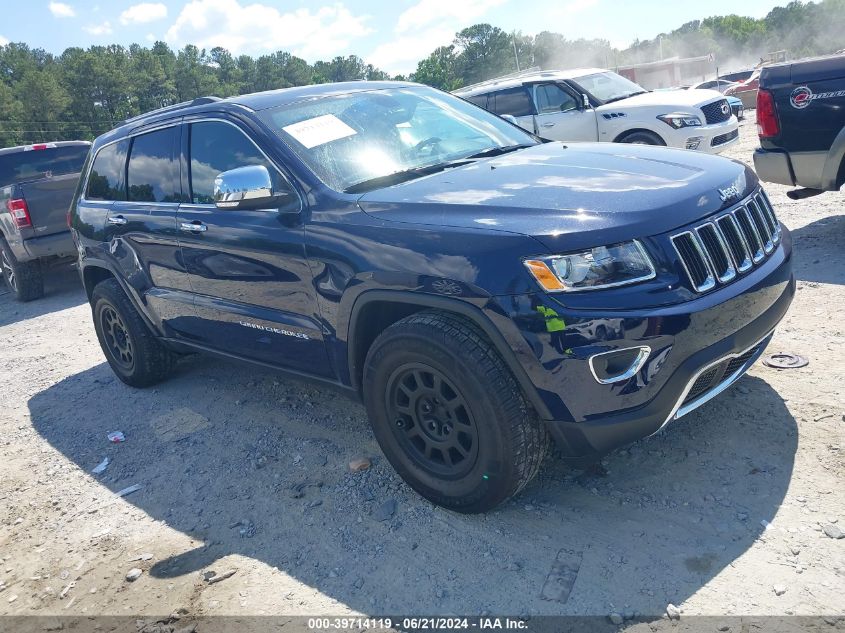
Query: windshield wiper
x,y
498,151
403,175
626,96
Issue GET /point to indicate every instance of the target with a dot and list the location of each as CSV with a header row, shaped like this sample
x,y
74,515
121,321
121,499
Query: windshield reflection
x,y
364,136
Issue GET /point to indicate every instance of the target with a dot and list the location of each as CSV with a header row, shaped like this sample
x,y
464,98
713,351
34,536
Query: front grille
x,y
724,138
718,374
713,112
735,364
704,382
717,251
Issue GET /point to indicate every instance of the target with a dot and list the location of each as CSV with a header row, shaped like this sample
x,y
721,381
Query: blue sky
x,y
390,35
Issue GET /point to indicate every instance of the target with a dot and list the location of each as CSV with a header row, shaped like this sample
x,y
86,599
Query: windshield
x,y
364,136
608,86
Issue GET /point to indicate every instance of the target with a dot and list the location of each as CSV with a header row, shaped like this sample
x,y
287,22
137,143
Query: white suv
x,y
590,104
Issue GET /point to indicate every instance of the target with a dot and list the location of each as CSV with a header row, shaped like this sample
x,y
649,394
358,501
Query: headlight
x,y
679,120
593,269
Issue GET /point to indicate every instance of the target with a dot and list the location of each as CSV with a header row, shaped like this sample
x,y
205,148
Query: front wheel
x,y
449,415
642,137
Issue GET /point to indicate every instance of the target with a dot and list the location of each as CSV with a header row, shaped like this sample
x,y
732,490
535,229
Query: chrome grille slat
x,y
715,248
719,250
749,232
736,242
695,262
762,226
766,205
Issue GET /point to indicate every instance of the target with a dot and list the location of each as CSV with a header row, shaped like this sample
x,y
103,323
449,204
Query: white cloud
x,y
98,29
61,10
563,10
427,12
3,40
400,56
425,26
143,13
258,28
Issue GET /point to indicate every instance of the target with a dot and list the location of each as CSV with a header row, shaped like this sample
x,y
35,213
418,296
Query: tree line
x,y
85,92
483,51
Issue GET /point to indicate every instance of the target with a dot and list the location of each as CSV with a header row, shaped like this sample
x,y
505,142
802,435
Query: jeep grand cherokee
x,y
480,290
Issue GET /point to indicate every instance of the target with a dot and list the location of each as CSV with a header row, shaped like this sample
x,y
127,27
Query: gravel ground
x,y
732,510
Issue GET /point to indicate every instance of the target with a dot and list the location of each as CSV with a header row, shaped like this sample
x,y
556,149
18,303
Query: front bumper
x,y
698,349
711,139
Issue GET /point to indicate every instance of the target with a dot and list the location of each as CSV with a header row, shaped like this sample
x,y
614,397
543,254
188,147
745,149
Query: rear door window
x,y
479,100
107,180
153,172
513,101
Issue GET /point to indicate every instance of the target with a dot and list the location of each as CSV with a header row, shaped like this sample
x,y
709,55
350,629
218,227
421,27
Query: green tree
x,y
44,101
485,51
194,75
11,111
439,69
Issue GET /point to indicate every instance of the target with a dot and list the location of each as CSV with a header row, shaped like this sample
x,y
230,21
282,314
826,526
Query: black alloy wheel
x,y
118,343
431,420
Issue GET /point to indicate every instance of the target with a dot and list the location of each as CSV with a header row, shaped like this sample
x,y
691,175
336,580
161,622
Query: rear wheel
x,y
449,415
642,137
24,279
133,352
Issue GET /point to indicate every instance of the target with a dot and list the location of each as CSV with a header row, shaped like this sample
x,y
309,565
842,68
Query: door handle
x,y
193,227
548,125
116,219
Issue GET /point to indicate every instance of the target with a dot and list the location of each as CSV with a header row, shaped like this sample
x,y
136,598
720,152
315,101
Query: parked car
x,y
36,186
736,107
719,85
801,123
591,104
738,76
746,90
479,289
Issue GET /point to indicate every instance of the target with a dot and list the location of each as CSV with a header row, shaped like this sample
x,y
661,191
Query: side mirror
x,y
249,187
585,101
509,118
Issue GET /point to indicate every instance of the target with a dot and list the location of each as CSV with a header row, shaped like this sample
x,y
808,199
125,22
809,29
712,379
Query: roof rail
x,y
514,75
176,106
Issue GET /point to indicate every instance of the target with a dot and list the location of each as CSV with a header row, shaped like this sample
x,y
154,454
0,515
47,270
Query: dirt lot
x,y
241,469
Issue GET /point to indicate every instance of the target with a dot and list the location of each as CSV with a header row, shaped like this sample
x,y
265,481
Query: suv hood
x,y
569,196
668,99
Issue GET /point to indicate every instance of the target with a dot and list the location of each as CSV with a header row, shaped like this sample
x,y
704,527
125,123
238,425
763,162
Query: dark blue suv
x,y
479,289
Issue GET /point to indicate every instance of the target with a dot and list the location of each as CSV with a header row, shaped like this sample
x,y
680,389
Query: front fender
x,y
484,313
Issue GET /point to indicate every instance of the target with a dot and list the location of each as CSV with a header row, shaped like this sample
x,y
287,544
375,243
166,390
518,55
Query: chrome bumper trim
x,y
643,352
680,409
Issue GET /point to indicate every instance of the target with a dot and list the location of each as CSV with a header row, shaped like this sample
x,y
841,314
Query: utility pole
x,y
515,56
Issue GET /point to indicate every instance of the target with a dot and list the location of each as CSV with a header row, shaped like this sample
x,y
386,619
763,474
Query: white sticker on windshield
x,y
319,130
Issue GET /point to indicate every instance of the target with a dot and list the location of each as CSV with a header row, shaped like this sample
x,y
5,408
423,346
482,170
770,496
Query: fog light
x,y
694,141
619,364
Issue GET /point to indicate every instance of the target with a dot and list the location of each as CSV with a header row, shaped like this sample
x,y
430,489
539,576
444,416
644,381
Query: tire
x,y
449,415
24,279
131,349
642,137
